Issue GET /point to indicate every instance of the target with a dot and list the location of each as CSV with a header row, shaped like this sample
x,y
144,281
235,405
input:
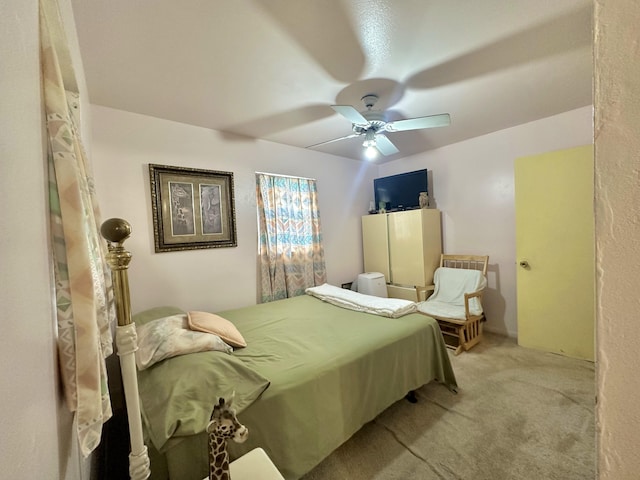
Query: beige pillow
x,y
169,337
211,323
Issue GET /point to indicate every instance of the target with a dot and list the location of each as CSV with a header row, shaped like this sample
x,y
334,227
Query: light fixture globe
x,y
369,139
371,152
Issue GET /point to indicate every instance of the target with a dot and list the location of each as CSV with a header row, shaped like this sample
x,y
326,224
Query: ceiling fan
x,y
372,125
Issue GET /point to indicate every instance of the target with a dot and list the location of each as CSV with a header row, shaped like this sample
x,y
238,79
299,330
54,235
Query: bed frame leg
x,y
411,396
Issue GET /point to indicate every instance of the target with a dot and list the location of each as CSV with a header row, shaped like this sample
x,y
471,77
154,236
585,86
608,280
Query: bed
x,y
311,375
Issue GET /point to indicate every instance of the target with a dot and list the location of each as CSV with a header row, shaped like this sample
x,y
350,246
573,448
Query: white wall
x,y
617,147
220,278
472,184
35,426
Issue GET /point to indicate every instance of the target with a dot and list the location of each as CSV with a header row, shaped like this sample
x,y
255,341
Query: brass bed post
x,y
116,231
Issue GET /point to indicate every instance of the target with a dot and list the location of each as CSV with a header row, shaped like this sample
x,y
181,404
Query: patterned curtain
x,y
291,253
84,296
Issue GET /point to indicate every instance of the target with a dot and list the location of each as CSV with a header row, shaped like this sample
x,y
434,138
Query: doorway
x,y
555,251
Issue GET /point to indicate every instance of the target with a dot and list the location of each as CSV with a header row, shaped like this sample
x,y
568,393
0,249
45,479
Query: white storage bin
x,y
372,283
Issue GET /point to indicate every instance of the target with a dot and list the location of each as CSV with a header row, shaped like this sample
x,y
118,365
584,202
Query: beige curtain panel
x,y
84,299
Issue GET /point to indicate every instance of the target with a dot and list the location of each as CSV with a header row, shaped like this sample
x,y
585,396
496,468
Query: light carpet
x,y
520,414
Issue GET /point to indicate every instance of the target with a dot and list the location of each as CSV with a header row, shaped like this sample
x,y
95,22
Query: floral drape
x,y
290,238
84,301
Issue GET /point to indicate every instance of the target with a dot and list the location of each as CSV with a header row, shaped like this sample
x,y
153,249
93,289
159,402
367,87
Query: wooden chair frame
x,y
460,334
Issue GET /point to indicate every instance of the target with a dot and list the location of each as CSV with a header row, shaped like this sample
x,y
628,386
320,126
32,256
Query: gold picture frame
x,y
192,208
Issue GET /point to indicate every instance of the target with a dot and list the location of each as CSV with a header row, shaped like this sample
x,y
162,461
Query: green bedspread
x,y
330,370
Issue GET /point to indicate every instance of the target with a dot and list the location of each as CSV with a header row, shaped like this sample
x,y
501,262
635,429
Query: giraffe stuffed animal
x,y
223,426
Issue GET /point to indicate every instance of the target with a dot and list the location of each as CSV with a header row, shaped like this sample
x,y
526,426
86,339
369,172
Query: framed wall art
x,y
192,208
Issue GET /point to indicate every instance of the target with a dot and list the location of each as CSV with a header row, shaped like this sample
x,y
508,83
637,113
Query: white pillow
x,y
170,336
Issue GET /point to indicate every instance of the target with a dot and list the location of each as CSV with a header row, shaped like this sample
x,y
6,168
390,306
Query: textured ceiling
x,y
270,69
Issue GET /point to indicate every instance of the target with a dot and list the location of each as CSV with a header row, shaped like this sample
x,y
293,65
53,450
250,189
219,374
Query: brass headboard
x,y
116,231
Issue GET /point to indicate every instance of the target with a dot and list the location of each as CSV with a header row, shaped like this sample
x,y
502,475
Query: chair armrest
x,y
474,294
427,291
468,296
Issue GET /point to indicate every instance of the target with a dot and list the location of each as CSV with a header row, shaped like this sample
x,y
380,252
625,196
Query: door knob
x,y
524,264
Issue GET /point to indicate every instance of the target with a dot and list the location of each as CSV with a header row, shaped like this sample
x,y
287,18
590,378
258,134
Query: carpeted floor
x,y
520,414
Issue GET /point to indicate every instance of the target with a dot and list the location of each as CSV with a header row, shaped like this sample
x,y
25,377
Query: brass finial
x,y
116,230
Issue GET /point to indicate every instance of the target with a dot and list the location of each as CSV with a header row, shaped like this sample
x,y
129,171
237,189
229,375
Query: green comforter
x,y
330,371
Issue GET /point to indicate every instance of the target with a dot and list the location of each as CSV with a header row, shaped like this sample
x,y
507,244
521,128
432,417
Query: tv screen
x,y
400,192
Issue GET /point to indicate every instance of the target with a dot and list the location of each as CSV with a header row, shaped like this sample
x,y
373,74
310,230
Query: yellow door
x,y
555,252
375,245
406,252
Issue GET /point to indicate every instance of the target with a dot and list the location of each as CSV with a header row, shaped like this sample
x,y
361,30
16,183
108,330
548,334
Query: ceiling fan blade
x,y
351,114
385,145
431,121
334,140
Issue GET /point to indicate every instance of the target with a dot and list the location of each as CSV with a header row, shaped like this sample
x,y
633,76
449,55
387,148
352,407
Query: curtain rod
x,y
286,176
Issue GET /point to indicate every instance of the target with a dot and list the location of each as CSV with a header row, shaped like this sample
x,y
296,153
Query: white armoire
x,y
405,247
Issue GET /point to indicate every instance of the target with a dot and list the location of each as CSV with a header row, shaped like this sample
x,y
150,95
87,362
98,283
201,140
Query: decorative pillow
x,y
211,323
170,336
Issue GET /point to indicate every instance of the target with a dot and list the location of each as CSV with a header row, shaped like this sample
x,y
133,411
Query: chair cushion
x,y
451,284
441,309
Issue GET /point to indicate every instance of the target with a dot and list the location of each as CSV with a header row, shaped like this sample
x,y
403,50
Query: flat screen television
x,y
400,192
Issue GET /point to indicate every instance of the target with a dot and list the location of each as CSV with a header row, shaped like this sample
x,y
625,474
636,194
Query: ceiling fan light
x,y
371,152
369,139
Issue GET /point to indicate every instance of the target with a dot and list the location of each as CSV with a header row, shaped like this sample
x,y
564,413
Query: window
x,y
289,236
